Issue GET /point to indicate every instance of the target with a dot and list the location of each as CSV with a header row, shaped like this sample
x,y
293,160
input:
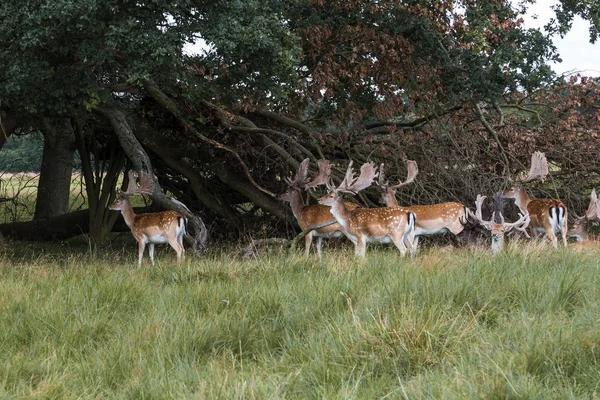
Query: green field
x,y
446,324
24,186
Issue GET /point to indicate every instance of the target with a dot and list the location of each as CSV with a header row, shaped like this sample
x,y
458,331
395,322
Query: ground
x,y
447,324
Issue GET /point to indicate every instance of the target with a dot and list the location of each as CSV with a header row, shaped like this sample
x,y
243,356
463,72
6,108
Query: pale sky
x,y
575,49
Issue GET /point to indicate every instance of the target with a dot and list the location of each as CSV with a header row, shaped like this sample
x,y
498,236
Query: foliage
x,y
443,325
588,10
22,153
385,58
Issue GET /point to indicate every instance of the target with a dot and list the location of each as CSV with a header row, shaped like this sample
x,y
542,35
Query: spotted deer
x,y
150,228
432,219
384,225
312,214
548,216
580,227
497,225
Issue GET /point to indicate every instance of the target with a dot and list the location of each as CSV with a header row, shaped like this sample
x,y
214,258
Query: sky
x,y
575,49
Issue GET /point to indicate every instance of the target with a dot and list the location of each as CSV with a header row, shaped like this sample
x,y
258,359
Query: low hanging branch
x,y
161,98
136,153
410,124
247,126
296,125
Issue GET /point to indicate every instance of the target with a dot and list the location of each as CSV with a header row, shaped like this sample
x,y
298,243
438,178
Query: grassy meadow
x,y
450,324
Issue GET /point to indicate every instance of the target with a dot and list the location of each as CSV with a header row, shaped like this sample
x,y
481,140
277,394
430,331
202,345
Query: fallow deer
x,y
497,226
312,214
580,227
384,225
431,219
548,216
150,228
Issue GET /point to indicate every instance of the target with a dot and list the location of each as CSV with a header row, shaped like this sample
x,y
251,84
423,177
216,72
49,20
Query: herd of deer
x,y
403,225
393,223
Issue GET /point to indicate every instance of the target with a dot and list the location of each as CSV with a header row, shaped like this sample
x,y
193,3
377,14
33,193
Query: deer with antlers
x,y
309,215
497,225
150,228
580,227
384,225
431,219
548,216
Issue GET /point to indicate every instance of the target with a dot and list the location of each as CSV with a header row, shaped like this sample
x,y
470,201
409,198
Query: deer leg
x,y
141,247
565,228
397,239
180,243
177,247
307,242
360,247
552,237
151,251
319,243
415,243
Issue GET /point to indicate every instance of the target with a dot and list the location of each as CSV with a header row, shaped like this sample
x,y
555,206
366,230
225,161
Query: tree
x,y
279,81
54,189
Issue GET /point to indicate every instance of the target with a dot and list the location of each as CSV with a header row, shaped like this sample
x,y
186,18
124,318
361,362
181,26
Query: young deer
x,y
150,228
384,225
312,214
497,226
580,227
431,219
547,215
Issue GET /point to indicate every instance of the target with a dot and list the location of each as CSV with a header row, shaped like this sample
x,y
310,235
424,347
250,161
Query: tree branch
x,y
494,135
165,101
294,124
410,124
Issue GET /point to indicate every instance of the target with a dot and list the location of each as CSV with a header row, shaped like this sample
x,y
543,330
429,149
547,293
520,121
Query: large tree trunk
x,y
54,188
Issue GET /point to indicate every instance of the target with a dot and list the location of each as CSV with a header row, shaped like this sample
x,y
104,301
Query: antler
x,y
322,175
368,172
478,214
539,167
412,171
133,189
301,175
520,225
381,182
593,211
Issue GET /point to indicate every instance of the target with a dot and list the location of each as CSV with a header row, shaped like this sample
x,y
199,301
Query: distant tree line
x,y
22,153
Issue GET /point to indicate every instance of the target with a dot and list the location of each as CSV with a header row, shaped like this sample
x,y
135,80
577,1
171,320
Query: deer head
x,y
388,193
537,171
350,184
591,216
133,189
497,225
301,180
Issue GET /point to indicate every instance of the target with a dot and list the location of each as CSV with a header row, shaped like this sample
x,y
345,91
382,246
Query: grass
x,y
446,324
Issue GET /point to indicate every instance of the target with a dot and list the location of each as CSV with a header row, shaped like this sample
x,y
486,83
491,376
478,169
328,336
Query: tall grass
x,y
458,324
